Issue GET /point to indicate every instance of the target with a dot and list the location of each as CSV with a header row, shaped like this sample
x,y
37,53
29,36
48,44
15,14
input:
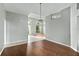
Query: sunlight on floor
x,y
31,45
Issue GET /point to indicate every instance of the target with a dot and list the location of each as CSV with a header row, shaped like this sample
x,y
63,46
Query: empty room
x,y
39,29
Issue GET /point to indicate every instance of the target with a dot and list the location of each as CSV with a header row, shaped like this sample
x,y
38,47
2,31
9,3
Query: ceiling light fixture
x,y
40,11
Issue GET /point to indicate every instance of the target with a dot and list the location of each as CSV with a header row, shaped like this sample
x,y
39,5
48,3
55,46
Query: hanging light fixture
x,y
39,26
40,12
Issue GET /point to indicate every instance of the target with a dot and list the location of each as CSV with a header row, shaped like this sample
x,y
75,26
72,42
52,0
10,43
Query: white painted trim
x,y
23,42
74,49
62,44
5,31
58,42
2,51
12,44
73,27
15,43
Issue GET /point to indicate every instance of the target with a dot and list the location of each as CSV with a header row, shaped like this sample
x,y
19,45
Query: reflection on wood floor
x,y
39,48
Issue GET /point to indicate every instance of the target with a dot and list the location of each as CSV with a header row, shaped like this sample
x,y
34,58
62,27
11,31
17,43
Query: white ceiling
x,y
27,8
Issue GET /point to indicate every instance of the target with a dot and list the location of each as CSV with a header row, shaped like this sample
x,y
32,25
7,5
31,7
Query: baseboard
x,y
23,42
58,42
74,49
15,43
12,44
63,44
2,50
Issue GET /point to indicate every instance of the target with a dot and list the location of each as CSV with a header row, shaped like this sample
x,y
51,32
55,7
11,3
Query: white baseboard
x,y
63,44
74,49
23,42
1,51
15,43
12,44
58,42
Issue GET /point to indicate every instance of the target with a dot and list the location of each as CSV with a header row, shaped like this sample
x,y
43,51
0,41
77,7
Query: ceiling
x,y
27,8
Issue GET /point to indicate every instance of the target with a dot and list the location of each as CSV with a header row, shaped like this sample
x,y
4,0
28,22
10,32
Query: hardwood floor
x,y
39,48
19,50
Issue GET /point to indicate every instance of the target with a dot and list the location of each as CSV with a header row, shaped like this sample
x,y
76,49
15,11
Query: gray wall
x,y
2,18
73,26
17,27
58,29
78,32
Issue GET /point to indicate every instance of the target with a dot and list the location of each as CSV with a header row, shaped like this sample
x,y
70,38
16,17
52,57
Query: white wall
x,y
59,29
2,18
17,27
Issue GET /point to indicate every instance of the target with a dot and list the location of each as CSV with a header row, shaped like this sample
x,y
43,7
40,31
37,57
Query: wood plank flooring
x,y
39,48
